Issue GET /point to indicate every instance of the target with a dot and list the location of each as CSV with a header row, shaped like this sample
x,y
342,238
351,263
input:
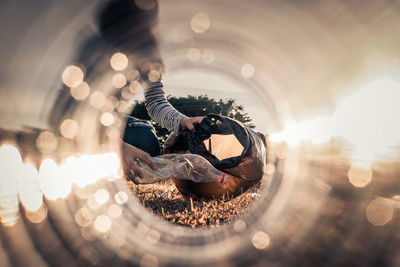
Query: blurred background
x,y
319,78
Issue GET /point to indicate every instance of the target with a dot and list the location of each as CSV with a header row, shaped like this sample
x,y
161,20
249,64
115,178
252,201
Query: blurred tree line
x,y
193,106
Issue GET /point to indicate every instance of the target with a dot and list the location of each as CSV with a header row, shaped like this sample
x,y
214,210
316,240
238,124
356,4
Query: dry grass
x,y
166,202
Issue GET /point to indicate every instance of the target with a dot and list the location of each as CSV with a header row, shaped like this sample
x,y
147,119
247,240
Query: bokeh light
x,y
28,187
97,99
69,128
360,174
121,197
46,142
81,91
102,195
72,76
154,75
107,119
133,75
380,211
102,223
118,80
53,182
260,240
200,23
119,61
10,163
208,56
193,54
247,70
114,211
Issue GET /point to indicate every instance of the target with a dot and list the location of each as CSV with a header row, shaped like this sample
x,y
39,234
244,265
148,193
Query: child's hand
x,y
187,123
129,154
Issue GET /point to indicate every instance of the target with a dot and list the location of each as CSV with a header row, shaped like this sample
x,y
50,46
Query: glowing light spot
x,y
360,174
92,203
46,142
157,67
102,223
119,61
260,240
114,211
239,226
72,76
83,217
380,211
200,23
10,163
88,169
193,54
37,216
101,196
149,261
126,93
124,107
118,80
69,128
135,87
97,99
28,187
145,4
133,75
154,75
247,70
52,181
121,198
108,106
208,56
81,91
107,119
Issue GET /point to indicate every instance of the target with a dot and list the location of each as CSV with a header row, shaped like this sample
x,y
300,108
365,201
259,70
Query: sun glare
x,y
367,119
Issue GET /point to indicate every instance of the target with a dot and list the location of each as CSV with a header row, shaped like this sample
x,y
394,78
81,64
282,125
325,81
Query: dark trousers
x,y
141,134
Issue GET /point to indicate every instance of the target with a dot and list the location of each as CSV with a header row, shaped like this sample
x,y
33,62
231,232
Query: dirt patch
x,y
164,200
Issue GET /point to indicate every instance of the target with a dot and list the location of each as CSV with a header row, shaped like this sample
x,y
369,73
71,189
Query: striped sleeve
x,y
160,109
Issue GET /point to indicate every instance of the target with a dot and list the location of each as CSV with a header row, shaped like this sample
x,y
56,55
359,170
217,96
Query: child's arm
x,y
161,111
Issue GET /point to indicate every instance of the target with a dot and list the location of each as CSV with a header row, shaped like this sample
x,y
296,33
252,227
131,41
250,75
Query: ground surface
x,y
166,202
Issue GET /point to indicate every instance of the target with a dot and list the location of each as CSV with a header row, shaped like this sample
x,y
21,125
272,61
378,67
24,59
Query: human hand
x,y
187,123
129,154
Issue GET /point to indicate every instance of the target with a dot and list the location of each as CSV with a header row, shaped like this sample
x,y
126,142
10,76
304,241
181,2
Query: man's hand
x,y
187,123
129,154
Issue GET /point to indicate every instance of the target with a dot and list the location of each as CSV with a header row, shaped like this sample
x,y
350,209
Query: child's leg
x,y
141,134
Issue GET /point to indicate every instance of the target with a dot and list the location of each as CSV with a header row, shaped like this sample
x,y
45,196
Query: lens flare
x,y
368,119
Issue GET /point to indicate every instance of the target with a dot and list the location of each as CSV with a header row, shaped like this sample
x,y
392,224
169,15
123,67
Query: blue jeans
x,y
141,134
